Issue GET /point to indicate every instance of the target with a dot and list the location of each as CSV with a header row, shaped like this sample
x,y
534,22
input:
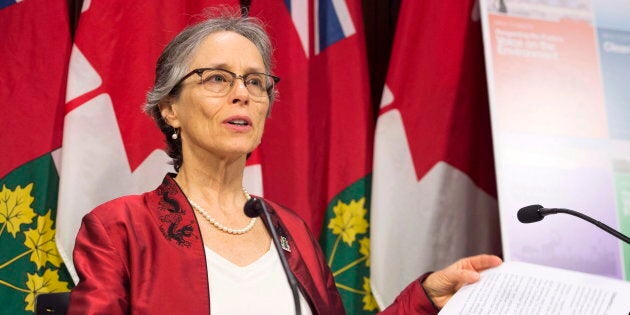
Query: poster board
x,y
559,84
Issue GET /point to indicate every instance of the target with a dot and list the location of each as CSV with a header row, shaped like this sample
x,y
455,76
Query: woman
x,y
187,247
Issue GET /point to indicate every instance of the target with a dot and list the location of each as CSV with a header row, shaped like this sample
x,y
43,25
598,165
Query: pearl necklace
x,y
220,226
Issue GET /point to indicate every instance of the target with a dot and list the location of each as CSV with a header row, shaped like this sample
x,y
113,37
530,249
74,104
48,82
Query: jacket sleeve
x,y
412,300
103,276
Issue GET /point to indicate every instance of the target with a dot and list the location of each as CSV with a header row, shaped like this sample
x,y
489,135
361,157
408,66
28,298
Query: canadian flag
x,y
110,148
433,192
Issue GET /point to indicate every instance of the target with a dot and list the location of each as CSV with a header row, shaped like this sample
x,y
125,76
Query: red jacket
x,y
144,254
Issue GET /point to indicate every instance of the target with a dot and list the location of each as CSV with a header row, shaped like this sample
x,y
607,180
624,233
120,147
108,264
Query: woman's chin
x,y
237,153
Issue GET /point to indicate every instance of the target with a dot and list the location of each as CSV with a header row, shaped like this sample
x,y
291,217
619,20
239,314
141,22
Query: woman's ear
x,y
169,113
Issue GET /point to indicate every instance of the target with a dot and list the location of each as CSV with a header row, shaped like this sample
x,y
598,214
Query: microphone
x,y
535,213
255,207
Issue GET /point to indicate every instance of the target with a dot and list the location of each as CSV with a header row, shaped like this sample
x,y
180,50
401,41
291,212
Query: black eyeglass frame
x,y
200,71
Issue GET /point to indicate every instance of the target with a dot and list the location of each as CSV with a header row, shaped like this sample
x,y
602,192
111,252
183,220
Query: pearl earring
x,y
174,136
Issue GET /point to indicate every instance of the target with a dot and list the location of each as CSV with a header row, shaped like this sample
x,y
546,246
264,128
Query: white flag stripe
x,y
316,26
94,169
418,226
299,15
343,14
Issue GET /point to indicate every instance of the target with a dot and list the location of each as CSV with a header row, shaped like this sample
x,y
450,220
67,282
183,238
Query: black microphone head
x,y
530,214
252,207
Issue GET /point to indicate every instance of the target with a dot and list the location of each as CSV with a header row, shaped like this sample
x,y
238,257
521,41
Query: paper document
x,y
523,288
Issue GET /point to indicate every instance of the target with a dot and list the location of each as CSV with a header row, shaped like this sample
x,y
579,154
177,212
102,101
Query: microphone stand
x,y
256,207
615,233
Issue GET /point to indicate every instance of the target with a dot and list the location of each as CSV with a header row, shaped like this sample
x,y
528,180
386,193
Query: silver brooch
x,y
285,244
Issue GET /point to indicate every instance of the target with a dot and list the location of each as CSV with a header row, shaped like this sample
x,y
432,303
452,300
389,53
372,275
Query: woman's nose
x,y
239,91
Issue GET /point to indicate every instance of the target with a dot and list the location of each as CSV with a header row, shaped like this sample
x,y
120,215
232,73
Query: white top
x,y
258,288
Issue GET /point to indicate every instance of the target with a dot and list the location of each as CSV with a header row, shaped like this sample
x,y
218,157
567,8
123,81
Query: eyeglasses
x,y
220,81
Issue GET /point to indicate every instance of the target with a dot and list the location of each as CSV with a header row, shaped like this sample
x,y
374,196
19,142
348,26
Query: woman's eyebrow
x,y
226,66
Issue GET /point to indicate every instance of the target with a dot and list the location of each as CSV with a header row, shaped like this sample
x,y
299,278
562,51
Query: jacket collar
x,y
177,222
179,226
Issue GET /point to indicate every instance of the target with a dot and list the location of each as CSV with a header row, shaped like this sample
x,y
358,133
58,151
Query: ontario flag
x,y
110,148
35,45
434,192
316,152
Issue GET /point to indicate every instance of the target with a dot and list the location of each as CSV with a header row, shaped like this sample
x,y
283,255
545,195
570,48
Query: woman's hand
x,y
442,284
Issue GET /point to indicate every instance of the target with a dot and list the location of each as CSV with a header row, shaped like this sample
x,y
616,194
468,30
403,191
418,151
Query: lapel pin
x,y
285,244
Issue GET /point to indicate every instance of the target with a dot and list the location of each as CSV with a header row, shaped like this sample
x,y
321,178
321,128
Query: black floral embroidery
x,y
172,215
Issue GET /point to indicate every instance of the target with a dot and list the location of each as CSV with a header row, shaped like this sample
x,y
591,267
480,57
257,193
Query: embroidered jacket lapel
x,y
176,220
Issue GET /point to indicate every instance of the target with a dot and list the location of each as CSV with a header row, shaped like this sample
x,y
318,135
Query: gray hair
x,y
176,57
